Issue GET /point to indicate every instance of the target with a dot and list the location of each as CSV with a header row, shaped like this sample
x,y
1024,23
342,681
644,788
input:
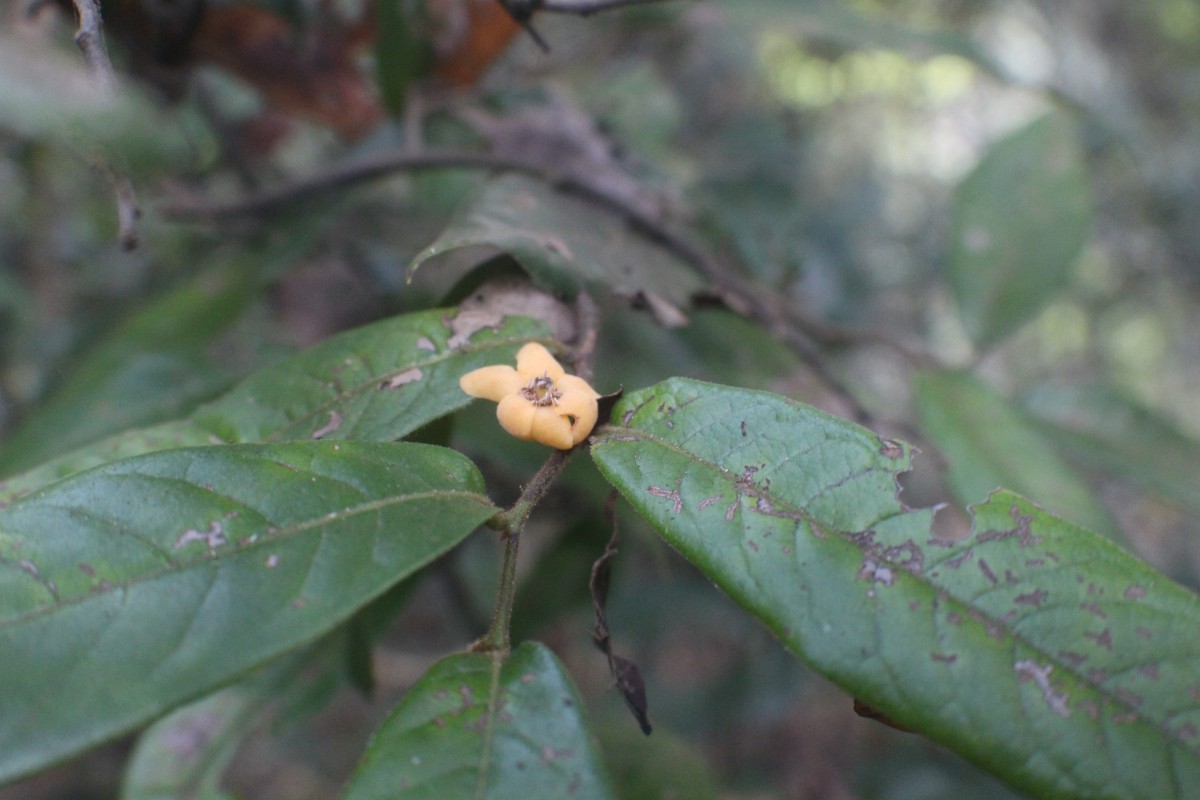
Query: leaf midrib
x,y
265,538
495,665
930,587
366,386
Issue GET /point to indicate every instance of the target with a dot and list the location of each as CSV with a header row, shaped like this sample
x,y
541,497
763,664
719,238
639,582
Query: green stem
x,y
498,637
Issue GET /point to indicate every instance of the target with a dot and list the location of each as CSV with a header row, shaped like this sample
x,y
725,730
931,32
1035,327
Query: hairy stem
x,y
511,523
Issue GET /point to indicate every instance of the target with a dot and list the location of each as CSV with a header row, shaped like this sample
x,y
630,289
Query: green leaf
x,y
47,95
164,359
1032,647
379,383
1099,428
126,445
1019,222
564,242
162,577
400,53
990,444
185,754
151,368
655,767
484,725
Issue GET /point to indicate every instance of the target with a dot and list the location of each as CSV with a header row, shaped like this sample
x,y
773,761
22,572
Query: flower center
x,y
541,391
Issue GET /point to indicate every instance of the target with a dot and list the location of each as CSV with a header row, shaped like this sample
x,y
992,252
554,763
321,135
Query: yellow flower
x,y
538,401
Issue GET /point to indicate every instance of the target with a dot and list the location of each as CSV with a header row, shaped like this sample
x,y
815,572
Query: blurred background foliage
x,y
985,214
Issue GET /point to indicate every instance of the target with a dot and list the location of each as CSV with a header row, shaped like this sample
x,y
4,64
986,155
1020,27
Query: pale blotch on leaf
x,y
538,401
335,422
213,538
403,378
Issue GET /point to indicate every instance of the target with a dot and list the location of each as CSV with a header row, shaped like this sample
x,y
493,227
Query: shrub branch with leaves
x,y
184,545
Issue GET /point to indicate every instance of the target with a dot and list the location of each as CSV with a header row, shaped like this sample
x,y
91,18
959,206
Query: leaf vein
x,y
612,434
267,539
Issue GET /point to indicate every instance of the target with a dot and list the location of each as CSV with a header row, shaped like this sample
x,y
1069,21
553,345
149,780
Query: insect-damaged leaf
x,y
484,725
564,241
139,585
1035,648
377,383
184,755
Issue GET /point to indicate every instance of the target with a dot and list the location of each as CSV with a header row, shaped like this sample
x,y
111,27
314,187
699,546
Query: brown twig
x,y
784,323
90,39
626,674
757,306
128,212
586,8
588,318
522,11
272,200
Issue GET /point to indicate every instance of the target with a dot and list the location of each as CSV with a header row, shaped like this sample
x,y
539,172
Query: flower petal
x,y
552,428
569,412
581,412
533,361
492,383
516,415
574,383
